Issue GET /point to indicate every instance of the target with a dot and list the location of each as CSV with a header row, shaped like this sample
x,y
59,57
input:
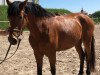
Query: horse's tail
x,y
88,24
92,61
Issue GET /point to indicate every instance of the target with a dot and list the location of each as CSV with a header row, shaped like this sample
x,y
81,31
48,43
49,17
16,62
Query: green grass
x,y
3,13
3,17
4,25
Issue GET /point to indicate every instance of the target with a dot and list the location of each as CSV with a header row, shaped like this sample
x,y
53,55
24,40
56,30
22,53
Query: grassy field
x,y
3,13
3,25
3,17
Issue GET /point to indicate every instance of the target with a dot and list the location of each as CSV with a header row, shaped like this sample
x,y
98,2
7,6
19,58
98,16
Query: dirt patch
x,y
23,62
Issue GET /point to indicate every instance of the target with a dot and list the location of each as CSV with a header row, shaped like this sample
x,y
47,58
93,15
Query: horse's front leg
x,y
52,60
39,61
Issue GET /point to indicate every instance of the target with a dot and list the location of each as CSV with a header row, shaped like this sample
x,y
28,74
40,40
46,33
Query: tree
x,y
96,14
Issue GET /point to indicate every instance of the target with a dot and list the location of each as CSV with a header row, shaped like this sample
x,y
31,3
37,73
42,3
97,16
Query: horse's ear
x,y
22,5
8,2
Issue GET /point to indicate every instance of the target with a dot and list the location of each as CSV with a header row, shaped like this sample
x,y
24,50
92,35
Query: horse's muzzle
x,y
16,33
12,40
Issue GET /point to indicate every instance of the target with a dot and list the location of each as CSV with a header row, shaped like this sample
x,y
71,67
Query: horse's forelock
x,y
13,9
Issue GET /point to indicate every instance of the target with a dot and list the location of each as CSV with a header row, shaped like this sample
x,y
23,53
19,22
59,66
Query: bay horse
x,y
50,33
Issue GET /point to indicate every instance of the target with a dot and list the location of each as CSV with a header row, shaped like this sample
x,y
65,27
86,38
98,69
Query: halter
x,y
18,36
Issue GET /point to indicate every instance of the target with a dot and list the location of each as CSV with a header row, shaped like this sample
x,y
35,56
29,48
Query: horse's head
x,y
16,16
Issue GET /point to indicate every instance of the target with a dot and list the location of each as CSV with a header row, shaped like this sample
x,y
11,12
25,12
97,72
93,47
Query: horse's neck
x,y
33,28
36,25
34,31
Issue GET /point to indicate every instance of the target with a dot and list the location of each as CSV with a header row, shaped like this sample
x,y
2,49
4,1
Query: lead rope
x,y
6,55
19,40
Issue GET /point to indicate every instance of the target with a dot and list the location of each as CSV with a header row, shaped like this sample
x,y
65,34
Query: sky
x,y
90,6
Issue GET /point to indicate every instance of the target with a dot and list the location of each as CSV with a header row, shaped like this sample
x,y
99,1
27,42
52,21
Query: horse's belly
x,y
66,45
68,41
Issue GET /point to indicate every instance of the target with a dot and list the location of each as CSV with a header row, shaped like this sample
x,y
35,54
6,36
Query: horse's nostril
x,y
12,41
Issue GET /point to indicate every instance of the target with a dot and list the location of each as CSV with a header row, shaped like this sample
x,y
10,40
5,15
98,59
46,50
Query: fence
x,y
4,21
4,24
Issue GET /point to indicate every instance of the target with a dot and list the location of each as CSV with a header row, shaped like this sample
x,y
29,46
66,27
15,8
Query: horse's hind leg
x,y
52,60
90,54
39,60
81,56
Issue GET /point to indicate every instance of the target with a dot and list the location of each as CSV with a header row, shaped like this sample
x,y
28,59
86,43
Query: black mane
x,y
13,9
37,10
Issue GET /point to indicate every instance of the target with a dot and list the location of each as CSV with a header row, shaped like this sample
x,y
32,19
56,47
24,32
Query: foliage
x,y
59,11
96,17
96,14
3,13
3,17
4,25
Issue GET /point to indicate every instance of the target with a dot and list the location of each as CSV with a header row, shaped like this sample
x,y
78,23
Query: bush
x,y
96,17
3,13
3,17
96,14
59,11
4,25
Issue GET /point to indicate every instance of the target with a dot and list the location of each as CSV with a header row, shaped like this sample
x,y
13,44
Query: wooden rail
x,y
4,21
